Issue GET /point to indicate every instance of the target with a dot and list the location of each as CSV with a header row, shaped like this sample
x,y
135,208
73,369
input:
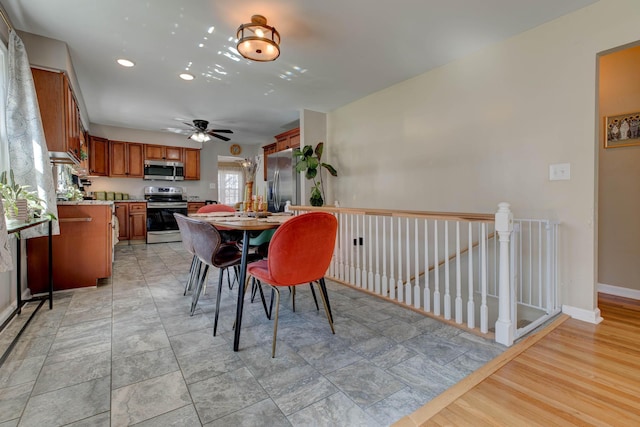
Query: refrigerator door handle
x,y
276,190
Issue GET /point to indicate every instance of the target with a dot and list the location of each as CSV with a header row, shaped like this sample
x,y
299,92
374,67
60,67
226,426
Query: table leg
x,y
243,276
50,265
19,272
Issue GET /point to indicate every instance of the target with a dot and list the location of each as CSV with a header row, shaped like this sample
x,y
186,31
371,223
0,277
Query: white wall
x,y
485,129
313,129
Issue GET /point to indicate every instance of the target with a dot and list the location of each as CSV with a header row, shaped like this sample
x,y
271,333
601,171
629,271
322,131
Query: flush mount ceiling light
x,y
258,41
125,62
187,76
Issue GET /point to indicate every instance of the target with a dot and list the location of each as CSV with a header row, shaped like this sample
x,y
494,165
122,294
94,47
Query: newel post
x,y
504,227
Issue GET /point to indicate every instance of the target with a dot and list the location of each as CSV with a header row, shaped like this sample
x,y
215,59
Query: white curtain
x,y
28,154
230,183
6,262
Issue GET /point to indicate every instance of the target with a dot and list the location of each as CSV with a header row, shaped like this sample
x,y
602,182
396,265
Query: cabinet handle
x,y
80,219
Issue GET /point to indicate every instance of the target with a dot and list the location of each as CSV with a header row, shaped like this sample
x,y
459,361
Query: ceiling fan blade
x,y
220,130
190,125
224,138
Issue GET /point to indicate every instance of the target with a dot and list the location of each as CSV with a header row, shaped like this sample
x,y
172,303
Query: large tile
x,y
203,364
184,323
328,356
294,396
364,383
222,395
420,372
31,346
396,406
264,413
74,339
383,352
140,342
13,400
335,411
78,370
195,341
181,417
100,420
20,371
142,366
69,404
147,399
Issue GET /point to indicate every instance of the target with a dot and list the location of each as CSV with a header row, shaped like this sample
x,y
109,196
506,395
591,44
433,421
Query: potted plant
x,y
310,161
19,202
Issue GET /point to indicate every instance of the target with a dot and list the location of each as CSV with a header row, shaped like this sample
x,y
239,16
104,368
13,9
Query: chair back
x,y
300,250
215,208
205,238
184,232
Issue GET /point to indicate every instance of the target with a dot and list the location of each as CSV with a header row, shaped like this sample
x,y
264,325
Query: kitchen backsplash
x,y
196,190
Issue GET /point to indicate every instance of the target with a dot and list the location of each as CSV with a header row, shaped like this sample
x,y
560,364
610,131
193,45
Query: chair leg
x,y
196,292
275,322
293,297
215,318
192,270
314,296
244,292
257,284
325,296
325,302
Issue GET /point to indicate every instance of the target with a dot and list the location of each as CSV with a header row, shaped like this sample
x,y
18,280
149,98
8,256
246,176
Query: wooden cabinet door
x,y
51,98
173,154
98,156
191,164
122,213
153,152
135,160
137,221
117,159
266,150
192,207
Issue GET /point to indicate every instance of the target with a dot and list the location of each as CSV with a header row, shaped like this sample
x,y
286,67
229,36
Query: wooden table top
x,y
244,223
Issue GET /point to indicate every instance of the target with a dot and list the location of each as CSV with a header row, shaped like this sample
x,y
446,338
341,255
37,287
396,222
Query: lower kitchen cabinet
x,y
132,219
82,252
192,207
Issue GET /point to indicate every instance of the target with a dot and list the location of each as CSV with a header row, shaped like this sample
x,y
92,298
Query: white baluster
x,y
370,279
363,254
504,227
416,289
399,284
377,276
427,291
458,307
447,294
408,287
436,271
352,267
357,252
385,283
484,312
343,247
392,279
471,309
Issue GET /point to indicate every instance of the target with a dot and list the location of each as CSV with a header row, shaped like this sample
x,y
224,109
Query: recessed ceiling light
x,y
187,76
125,62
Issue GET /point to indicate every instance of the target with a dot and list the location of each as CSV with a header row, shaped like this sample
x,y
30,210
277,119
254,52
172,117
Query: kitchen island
x,y
82,252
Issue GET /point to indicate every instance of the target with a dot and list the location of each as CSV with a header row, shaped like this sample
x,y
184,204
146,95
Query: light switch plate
x,y
212,186
560,172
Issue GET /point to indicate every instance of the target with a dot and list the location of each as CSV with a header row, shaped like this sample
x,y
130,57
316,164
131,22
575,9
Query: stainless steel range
x,y
162,203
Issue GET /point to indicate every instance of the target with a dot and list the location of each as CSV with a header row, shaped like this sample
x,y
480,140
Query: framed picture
x,y
622,130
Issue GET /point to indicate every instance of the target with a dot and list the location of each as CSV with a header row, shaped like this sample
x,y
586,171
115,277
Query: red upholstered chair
x,y
300,252
215,208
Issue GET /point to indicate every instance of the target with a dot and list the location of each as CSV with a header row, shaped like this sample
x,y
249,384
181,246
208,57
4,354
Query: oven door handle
x,y
161,205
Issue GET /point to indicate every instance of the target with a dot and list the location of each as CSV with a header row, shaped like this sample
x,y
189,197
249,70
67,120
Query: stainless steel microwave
x,y
163,170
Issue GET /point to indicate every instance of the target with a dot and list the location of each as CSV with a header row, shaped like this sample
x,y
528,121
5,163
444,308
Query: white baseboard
x,y
591,316
619,291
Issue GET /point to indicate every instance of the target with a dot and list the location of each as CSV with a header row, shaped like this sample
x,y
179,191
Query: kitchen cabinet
x,y
267,149
191,164
162,152
132,220
98,156
82,252
60,115
192,207
126,159
288,139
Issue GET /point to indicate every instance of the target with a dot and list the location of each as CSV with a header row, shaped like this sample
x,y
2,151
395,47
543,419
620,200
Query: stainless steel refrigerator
x,y
283,182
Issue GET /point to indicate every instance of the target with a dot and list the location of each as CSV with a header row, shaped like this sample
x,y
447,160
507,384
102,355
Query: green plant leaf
x,y
330,168
311,173
319,150
307,151
312,163
301,166
297,152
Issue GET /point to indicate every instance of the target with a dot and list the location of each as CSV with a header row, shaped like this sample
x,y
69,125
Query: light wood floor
x,y
574,374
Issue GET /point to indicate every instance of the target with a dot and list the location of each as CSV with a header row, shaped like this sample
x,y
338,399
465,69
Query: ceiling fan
x,y
200,133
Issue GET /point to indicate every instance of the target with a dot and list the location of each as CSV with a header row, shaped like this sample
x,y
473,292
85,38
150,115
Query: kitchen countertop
x,y
86,202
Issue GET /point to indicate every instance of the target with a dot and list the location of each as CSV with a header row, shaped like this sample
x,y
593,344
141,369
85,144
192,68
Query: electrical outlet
x,y
212,186
358,242
560,172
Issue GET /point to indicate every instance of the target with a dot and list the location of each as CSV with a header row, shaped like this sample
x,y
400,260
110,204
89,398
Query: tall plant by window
x,y
310,162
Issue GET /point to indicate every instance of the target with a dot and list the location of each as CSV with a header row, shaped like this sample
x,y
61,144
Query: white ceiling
x,y
332,53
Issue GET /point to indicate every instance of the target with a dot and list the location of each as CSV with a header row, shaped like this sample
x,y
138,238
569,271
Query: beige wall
x,y
619,176
485,129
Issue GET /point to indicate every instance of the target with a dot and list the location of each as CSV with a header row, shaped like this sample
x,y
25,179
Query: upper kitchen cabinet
x,y
191,163
126,159
162,152
98,156
60,115
288,139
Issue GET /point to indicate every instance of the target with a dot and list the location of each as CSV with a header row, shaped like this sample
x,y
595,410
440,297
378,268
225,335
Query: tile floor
x,y
128,353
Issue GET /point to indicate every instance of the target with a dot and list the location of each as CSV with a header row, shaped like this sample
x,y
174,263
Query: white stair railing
x,y
434,262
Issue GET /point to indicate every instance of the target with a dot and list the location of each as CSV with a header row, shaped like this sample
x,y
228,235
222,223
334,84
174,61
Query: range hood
x,y
62,157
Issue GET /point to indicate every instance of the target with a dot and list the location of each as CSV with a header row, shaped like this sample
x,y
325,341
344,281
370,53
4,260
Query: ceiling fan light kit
x,y
258,41
202,134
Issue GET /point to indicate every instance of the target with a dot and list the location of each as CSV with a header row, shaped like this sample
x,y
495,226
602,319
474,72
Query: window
x,y
4,143
230,184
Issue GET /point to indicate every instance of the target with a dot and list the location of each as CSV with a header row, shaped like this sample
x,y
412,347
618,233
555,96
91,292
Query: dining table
x,y
246,224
